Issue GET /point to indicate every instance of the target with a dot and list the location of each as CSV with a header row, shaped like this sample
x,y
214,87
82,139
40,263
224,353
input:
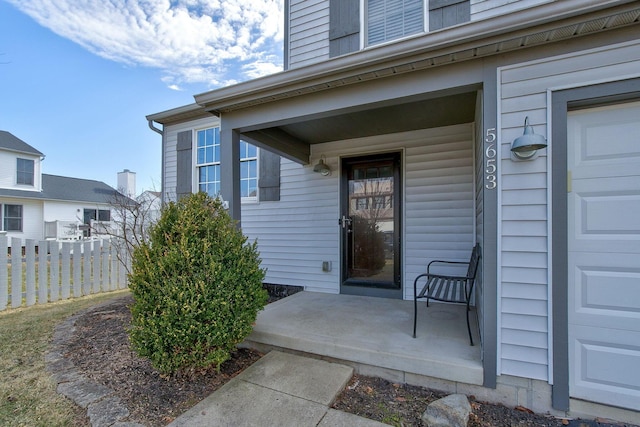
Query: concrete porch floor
x,y
374,335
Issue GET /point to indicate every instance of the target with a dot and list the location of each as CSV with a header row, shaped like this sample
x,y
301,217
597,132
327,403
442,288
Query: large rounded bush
x,y
197,286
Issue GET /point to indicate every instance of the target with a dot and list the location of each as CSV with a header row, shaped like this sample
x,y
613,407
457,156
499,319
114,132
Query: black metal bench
x,y
453,289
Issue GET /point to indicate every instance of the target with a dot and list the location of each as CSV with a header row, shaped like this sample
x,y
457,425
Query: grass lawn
x,y
27,393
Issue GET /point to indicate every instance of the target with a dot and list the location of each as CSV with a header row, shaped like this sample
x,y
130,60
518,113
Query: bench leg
x,y
469,325
415,314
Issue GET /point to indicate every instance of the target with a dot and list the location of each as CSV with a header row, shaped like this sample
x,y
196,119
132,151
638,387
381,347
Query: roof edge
x,y
217,100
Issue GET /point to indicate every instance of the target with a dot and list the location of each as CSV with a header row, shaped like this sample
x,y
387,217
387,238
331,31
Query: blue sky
x,y
78,77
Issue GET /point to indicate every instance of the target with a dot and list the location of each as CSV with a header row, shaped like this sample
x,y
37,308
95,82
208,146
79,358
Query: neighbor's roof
x,y
56,187
10,142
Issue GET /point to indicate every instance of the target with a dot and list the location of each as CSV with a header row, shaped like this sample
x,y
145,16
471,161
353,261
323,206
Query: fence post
x,y
4,277
54,268
86,271
97,244
43,272
104,263
113,282
66,270
124,266
30,271
77,269
16,272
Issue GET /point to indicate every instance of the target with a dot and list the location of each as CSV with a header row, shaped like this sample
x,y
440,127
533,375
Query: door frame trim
x,y
383,292
563,101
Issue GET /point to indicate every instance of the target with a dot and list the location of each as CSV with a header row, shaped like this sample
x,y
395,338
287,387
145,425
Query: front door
x,y
370,226
603,159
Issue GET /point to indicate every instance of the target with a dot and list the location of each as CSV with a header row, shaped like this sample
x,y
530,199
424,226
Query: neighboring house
x,y
424,99
39,206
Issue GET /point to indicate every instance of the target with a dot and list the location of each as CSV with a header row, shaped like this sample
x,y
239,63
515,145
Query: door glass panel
x,y
369,240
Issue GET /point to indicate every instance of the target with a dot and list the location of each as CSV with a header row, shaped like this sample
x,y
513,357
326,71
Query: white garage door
x,y
603,150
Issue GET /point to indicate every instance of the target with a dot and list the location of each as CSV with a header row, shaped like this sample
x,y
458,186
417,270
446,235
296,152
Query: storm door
x,y
370,226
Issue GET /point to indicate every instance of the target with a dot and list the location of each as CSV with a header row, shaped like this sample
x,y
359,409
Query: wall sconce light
x,y
322,168
524,147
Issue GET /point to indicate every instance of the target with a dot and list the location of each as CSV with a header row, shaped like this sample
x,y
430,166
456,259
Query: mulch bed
x,y
100,350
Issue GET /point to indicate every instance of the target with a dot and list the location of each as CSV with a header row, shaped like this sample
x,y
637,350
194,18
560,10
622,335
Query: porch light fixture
x,y
525,146
322,168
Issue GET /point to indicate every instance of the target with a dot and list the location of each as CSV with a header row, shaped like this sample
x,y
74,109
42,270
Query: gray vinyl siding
x,y
482,9
308,32
439,199
300,231
524,257
170,162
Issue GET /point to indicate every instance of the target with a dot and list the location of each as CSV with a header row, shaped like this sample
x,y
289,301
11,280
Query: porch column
x,y
230,170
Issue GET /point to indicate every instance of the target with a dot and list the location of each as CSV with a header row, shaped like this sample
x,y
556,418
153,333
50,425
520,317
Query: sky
x,y
78,77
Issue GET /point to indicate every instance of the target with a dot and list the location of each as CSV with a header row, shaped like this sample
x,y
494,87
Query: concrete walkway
x,y
280,389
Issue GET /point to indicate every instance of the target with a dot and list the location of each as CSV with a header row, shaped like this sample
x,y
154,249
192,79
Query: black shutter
x,y
344,27
269,178
184,164
445,13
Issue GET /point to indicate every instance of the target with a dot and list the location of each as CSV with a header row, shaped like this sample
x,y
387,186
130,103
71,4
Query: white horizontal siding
x,y
524,241
69,211
296,234
308,32
482,9
170,141
9,167
32,223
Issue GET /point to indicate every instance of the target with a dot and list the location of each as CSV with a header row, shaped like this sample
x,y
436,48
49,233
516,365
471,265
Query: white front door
x,y
603,152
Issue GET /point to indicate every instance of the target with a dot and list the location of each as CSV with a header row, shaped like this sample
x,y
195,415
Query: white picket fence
x,y
57,270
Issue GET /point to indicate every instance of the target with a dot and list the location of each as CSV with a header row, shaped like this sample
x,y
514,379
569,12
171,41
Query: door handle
x,y
344,222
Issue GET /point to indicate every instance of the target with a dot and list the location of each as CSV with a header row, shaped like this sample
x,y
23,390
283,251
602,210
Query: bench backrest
x,y
473,262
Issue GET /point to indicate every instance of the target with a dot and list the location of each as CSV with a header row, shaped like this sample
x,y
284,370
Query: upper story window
x,y
208,164
392,19
12,217
25,168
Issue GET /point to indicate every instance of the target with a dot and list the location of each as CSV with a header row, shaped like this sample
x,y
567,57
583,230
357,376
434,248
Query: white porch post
x,y
230,170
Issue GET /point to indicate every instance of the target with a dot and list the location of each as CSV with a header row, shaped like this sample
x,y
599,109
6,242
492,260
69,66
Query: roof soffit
x,y
530,27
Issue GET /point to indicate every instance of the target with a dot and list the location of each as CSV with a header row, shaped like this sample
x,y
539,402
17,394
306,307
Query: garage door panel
x,y
618,127
605,293
605,362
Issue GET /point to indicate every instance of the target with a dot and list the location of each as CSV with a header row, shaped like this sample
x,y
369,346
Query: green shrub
x,y
197,286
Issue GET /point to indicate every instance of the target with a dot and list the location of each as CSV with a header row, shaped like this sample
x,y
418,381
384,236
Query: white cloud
x,y
191,41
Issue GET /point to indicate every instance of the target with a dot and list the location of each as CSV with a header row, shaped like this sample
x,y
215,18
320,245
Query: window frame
x,y
246,159
5,218
216,162
21,173
364,7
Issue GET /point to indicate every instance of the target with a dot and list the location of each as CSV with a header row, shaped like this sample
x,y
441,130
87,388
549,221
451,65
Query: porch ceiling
x,y
294,138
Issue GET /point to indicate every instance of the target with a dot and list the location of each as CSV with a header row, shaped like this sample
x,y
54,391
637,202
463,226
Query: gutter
x,y
161,133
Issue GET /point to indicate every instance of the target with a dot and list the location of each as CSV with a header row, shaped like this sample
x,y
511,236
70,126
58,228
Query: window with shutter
x,y
208,165
391,19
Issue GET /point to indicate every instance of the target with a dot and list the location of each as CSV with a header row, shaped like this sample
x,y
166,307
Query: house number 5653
x,y
490,156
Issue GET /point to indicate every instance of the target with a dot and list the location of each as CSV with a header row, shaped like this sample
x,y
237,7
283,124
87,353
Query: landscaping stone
x,y
107,411
450,411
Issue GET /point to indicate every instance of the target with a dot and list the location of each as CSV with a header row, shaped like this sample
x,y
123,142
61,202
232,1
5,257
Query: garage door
x,y
603,152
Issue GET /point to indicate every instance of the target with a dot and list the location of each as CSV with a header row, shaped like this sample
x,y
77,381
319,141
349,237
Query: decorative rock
x,y
107,411
450,411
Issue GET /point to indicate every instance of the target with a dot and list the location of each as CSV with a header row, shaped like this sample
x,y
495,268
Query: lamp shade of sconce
x,y
322,168
525,146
